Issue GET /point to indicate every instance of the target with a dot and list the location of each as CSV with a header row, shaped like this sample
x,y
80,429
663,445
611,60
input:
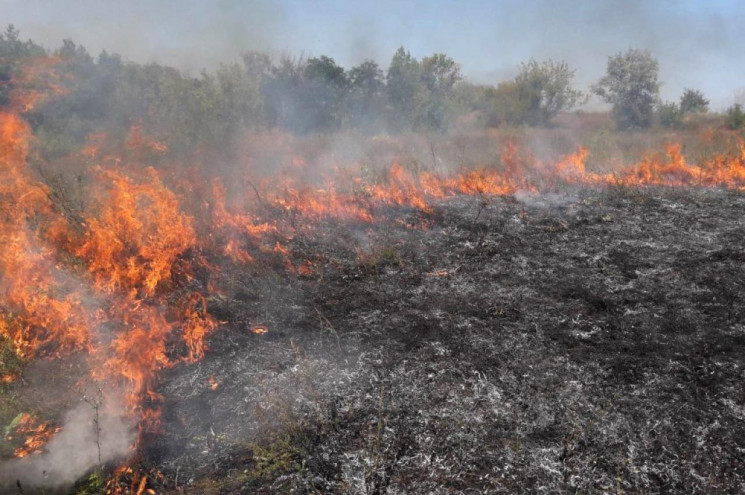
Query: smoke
x,y
74,451
697,43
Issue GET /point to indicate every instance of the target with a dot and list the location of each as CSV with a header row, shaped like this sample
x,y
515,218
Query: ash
x,y
590,344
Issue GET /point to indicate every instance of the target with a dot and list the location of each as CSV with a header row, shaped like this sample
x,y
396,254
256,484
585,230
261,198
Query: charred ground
x,y
576,343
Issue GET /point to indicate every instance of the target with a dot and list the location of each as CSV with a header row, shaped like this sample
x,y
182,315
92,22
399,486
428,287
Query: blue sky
x,y
698,43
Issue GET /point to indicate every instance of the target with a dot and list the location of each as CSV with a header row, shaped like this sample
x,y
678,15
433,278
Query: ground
x,y
588,342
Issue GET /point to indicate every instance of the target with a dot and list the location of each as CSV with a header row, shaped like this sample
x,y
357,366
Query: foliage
x,y
324,87
631,86
12,52
403,85
504,105
212,110
693,101
670,114
10,363
91,485
735,118
365,102
544,90
439,75
421,93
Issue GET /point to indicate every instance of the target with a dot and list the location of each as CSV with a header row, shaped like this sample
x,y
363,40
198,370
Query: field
x,y
572,343
511,310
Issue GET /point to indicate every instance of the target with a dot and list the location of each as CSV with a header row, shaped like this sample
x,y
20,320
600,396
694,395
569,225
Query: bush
x,y
735,118
670,115
693,101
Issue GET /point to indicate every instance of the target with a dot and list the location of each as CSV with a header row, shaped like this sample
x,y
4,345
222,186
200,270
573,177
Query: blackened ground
x,y
591,342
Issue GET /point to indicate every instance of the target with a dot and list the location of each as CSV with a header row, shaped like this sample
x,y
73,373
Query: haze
x,y
697,43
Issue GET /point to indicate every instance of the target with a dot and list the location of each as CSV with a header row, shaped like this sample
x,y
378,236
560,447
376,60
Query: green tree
x,y
325,85
439,73
693,101
631,86
544,90
12,52
434,103
670,114
505,106
403,84
364,107
735,117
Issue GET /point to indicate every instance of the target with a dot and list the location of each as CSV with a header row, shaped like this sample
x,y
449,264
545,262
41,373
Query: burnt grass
x,y
585,342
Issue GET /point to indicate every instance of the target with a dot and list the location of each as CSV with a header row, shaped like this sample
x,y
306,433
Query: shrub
x,y
735,118
670,115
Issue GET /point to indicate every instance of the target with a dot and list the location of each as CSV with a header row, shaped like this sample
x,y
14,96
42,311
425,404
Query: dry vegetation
x,y
504,309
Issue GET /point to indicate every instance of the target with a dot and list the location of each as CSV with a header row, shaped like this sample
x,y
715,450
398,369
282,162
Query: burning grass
x,y
142,266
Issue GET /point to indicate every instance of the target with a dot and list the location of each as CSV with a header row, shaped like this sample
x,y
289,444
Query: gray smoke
x,y
74,450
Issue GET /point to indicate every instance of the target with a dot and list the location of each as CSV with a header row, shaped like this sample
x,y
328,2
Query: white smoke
x,y
74,451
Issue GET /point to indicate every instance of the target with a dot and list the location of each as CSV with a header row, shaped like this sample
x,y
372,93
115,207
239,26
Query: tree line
x,y
310,95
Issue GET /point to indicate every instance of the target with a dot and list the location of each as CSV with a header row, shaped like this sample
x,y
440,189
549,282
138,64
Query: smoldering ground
x,y
588,343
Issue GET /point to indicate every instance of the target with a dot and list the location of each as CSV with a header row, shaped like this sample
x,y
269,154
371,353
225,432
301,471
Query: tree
x,y
693,101
281,92
364,103
438,75
12,52
325,83
403,84
670,114
631,86
735,118
545,89
504,104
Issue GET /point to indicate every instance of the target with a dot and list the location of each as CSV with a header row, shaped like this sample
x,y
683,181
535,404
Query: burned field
x,y
283,276
584,342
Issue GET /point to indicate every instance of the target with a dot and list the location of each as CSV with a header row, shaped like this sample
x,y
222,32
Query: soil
x,y
584,342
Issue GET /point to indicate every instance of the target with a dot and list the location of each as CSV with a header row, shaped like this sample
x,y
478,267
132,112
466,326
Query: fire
x,y
117,301
37,434
123,283
137,234
127,481
260,329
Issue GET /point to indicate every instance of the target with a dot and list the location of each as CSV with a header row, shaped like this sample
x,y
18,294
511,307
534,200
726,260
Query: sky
x,y
698,44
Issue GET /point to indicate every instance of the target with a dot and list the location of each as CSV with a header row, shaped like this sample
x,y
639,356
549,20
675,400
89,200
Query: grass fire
x,y
281,275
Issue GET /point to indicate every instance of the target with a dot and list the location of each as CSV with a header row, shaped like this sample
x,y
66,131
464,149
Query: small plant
x,y
96,402
92,485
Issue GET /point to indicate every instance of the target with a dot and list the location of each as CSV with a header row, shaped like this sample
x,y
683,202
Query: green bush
x,y
735,117
670,115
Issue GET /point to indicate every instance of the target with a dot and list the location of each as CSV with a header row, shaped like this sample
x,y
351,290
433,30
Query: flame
x,y
116,301
37,434
128,481
260,329
123,285
38,306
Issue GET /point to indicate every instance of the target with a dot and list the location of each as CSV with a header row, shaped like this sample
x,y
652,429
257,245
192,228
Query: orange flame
x,y
260,329
37,434
118,286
